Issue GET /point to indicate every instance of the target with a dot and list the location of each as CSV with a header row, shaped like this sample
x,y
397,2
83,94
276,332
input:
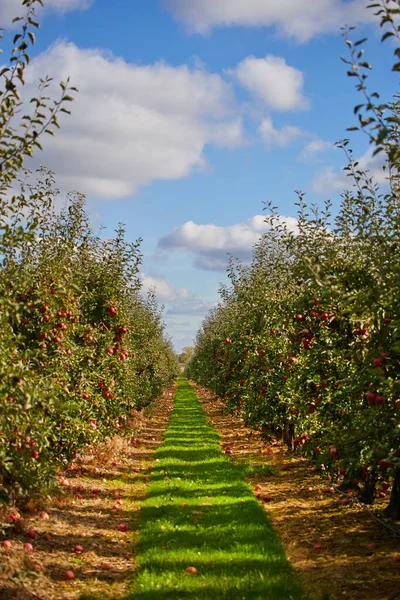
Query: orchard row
x,y
80,347
306,341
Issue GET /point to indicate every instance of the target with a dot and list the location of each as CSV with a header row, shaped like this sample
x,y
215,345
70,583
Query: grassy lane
x,y
201,513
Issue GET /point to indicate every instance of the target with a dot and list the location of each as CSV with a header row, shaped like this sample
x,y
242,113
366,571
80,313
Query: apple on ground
x,y
31,534
68,575
317,546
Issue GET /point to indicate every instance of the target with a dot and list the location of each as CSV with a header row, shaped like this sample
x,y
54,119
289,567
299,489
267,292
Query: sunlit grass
x,y
201,513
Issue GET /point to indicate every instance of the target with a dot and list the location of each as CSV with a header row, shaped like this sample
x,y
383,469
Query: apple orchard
x,y
305,343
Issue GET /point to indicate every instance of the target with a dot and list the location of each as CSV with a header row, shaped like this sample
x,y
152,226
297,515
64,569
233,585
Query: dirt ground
x,y
77,529
337,547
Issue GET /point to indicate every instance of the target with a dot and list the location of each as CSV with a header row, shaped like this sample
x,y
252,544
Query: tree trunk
x,y
393,510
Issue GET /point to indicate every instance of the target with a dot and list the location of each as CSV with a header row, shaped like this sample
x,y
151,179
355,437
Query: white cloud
x,y
9,9
276,84
329,180
279,137
312,151
298,19
229,134
183,312
211,244
133,124
165,292
192,305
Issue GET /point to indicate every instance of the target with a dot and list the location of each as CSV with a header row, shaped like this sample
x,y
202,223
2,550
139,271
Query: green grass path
x,y
222,531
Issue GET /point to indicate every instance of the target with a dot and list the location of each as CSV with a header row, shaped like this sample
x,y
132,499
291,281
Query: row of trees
x,y
80,347
306,341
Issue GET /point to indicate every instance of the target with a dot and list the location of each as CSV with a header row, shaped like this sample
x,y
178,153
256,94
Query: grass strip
x,y
201,513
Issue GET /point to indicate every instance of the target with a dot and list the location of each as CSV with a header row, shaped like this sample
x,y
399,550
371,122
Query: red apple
x,y
67,575
28,547
6,544
31,534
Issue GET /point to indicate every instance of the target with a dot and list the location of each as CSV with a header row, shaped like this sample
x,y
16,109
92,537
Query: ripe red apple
x,y
44,515
35,454
13,516
6,544
78,549
46,537
31,534
191,571
112,311
85,396
122,527
299,317
67,575
28,547
317,546
117,495
146,478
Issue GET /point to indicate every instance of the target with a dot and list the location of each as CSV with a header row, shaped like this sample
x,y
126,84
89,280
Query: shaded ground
x,y
99,493
358,558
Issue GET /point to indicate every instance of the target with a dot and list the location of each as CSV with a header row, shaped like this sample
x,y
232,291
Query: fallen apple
x,y
31,534
69,575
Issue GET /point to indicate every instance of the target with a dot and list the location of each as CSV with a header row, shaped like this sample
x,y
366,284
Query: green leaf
x,y
387,35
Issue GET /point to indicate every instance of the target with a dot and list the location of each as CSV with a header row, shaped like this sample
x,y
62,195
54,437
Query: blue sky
x,y
192,113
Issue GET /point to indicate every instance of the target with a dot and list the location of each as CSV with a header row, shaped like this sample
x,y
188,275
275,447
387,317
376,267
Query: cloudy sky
x,y
191,114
